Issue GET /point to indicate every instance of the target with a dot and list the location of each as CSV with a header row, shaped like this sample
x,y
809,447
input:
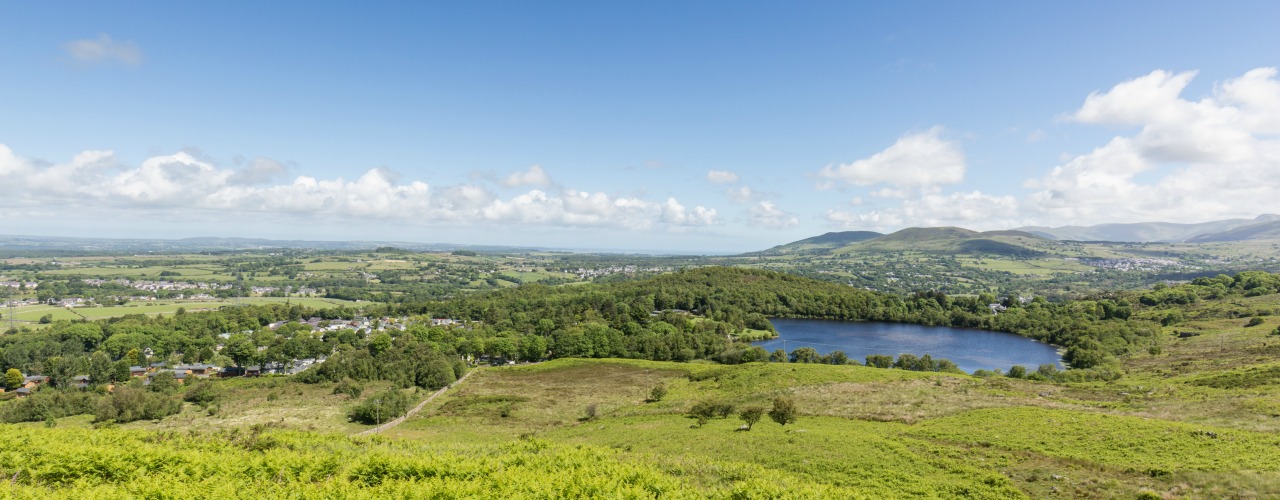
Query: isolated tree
x,y
784,410
750,415
659,391
1017,371
13,378
703,411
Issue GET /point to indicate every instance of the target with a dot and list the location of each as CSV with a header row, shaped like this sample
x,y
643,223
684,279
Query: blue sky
x,y
678,126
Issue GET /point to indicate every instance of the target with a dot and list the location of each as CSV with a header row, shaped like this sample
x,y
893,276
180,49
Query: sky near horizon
x,y
700,127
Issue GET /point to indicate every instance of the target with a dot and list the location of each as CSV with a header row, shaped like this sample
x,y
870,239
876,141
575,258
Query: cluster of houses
x,y
359,323
156,286
1132,264
584,273
29,285
147,373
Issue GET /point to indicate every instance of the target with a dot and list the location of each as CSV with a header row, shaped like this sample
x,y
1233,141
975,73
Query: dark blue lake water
x,y
969,349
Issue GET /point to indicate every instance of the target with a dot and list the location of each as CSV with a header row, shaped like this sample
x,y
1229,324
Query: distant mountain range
x,y
203,244
1030,241
1261,227
1023,241
927,239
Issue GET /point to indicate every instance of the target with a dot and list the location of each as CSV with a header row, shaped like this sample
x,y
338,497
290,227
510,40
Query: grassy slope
x,y
1200,418
889,432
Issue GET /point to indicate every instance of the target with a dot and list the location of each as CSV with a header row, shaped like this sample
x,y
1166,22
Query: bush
x,y
750,415
1017,371
165,382
349,387
380,407
784,410
45,404
203,393
659,391
706,410
1254,321
131,403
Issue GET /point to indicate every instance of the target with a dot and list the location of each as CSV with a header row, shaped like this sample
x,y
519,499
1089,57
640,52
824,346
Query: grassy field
x,y
31,314
885,432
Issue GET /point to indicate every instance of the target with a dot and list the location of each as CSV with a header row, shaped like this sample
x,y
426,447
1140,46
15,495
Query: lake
x,y
969,349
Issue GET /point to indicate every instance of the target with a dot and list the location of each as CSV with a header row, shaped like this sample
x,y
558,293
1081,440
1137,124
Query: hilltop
x,y
823,243
924,239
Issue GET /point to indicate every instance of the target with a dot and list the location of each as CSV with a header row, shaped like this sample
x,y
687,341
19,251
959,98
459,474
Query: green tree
x,y
880,360
13,378
658,392
164,382
750,415
703,411
784,410
805,355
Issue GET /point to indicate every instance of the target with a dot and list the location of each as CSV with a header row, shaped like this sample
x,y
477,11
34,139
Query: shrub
x,y
349,387
784,410
203,393
658,392
750,415
128,404
380,407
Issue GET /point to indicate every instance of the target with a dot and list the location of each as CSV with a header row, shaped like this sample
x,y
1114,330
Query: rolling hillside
x,y
823,243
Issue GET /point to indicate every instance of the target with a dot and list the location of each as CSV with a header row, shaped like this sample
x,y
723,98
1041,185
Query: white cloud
x,y
915,160
1214,157
974,210
675,213
181,183
535,176
873,220
721,177
767,215
103,50
1189,160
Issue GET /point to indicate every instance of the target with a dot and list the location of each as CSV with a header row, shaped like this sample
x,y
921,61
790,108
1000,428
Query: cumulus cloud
x,y
1213,157
767,215
915,160
1189,160
972,209
535,176
103,50
721,177
181,183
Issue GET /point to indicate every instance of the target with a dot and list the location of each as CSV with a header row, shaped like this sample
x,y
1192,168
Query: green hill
x,y
823,243
954,240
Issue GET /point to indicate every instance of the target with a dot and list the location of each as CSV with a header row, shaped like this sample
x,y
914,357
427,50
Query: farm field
x,y
31,315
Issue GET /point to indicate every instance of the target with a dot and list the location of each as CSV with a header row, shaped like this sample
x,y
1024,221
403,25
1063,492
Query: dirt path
x,y
415,409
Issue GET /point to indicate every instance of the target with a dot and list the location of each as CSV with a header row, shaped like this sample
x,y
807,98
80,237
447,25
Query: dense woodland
x,y
681,316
